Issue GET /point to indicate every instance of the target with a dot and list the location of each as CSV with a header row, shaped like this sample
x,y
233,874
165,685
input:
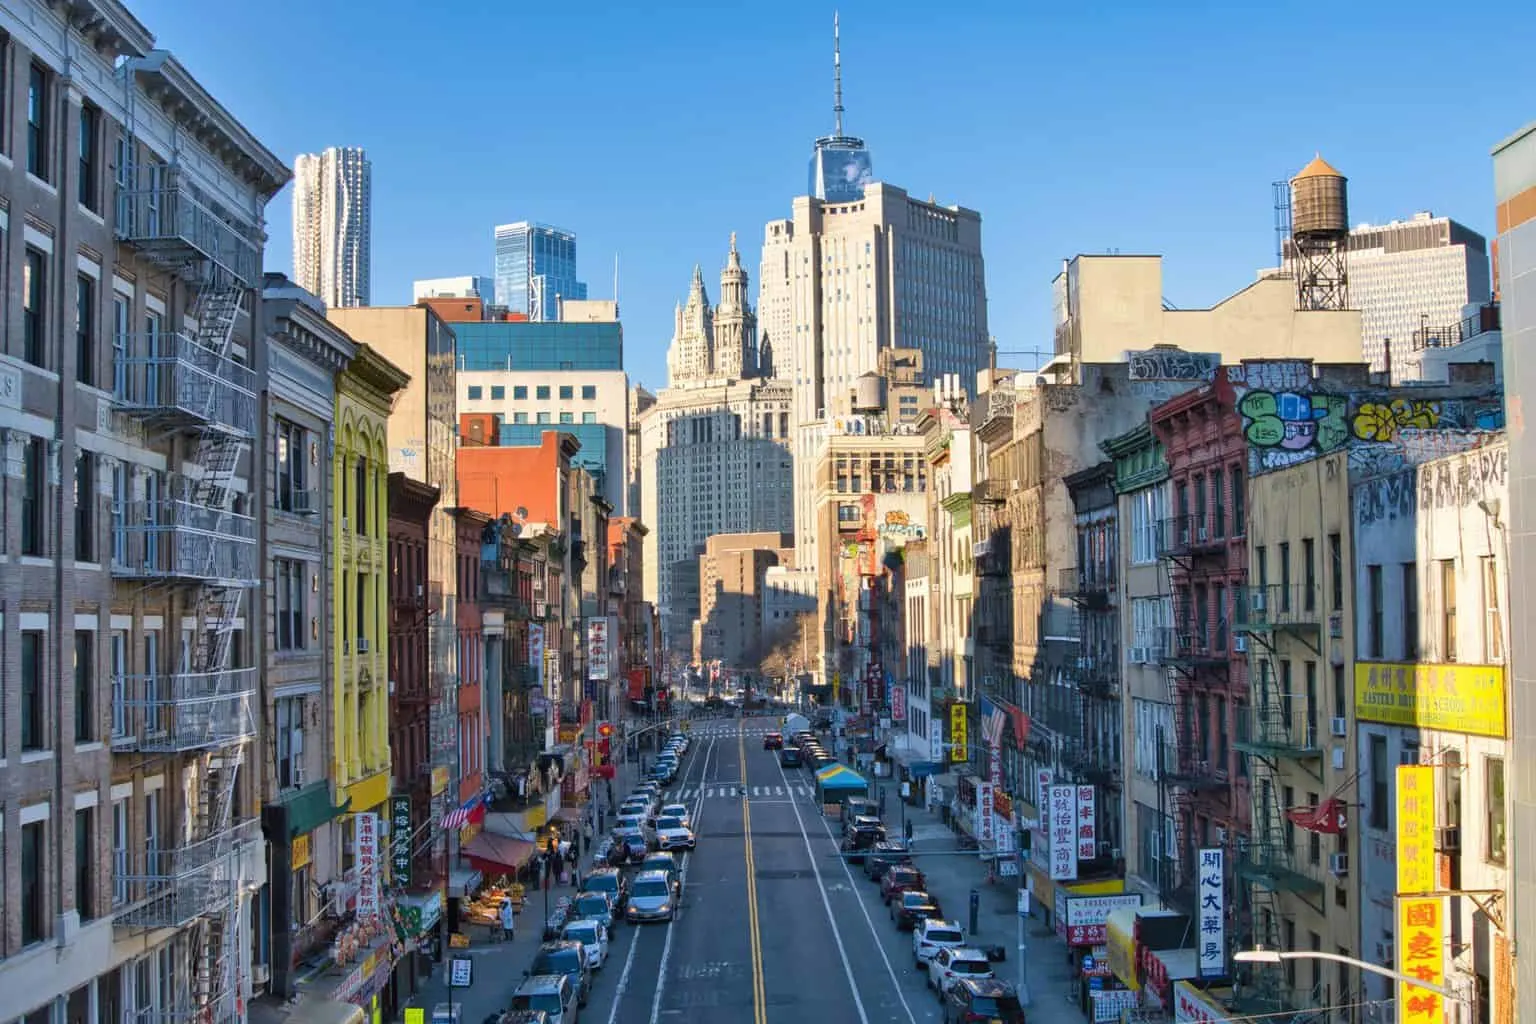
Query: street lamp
x,y
1274,957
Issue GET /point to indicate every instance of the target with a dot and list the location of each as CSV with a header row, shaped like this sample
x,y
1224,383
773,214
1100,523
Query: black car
x,y
982,999
912,906
883,855
607,880
789,757
566,957
860,840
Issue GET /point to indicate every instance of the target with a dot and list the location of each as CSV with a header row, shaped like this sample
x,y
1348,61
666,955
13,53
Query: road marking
x,y
666,946
759,991
837,934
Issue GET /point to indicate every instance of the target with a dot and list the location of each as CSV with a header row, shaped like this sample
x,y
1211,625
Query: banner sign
x,y
536,652
400,839
366,832
899,702
1087,917
1415,828
959,738
1212,945
597,649
1087,824
986,824
936,741
1421,954
1063,833
1454,698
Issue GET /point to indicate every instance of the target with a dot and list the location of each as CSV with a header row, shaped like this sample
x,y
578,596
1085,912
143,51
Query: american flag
x,y
461,816
992,724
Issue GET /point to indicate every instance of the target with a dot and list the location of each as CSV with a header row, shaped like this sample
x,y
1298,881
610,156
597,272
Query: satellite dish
x,y
522,513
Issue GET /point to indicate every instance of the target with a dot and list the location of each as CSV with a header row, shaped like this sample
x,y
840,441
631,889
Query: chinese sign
x,y
1043,780
597,649
986,824
536,650
1109,1004
1421,954
1087,917
301,852
899,702
400,839
461,972
366,828
1087,824
1192,1006
1063,844
1456,698
1212,945
936,740
1415,828
959,739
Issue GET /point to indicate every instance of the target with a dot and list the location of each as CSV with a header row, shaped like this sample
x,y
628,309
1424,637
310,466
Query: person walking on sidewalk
x,y
508,920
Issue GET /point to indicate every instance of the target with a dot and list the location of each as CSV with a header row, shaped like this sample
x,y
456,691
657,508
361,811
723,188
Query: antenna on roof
x,y
837,76
615,283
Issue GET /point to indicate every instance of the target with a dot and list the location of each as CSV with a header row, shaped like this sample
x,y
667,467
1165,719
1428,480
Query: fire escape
x,y
1095,675
189,540
1280,728
1196,660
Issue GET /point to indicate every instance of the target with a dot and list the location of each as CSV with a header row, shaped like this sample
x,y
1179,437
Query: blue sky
x,y
654,131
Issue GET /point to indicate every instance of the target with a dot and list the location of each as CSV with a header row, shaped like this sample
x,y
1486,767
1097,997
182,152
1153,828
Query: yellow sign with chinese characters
x,y
1420,954
958,737
1456,698
301,854
1415,829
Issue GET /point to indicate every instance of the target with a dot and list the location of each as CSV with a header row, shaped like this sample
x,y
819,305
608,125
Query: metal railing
x,y
1279,605
173,220
173,538
169,888
1273,730
1269,863
171,378
1188,534
182,711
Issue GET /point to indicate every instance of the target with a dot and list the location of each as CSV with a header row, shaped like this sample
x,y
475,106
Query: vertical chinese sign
x,y
536,652
899,703
1063,833
597,649
400,839
986,830
367,835
959,737
1421,955
1415,828
1212,918
1087,824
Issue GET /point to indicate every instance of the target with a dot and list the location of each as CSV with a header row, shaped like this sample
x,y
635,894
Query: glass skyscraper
x,y
535,267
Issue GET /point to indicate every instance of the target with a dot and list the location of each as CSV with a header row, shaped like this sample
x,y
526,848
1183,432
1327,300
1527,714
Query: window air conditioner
x,y
1240,643
362,645
1448,839
1338,727
297,773
1338,864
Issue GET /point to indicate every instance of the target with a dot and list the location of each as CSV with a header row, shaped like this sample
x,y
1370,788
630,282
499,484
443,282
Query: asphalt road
x,y
773,927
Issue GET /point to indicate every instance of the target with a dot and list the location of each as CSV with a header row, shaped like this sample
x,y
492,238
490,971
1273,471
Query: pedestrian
x,y
508,920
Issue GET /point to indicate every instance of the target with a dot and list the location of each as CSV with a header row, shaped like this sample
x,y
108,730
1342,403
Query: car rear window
x,y
650,888
1006,1007
602,883
567,961
943,935
971,967
547,1002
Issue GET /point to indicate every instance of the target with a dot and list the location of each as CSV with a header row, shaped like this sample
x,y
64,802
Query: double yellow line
x,y
759,995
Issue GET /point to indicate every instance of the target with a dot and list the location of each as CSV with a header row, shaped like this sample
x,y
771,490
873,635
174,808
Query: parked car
x,y
679,811
912,906
568,958
773,741
982,999
672,834
608,881
553,994
948,965
632,842
593,936
519,1017
883,855
932,935
666,863
652,898
861,807
859,840
789,757
596,906
629,821
899,877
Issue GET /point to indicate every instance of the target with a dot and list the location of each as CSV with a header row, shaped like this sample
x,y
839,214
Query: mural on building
x,y
1291,416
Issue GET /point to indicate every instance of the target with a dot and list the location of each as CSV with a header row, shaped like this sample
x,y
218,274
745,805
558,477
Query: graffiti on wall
x,y
898,524
1287,422
1384,498
1173,364
1464,480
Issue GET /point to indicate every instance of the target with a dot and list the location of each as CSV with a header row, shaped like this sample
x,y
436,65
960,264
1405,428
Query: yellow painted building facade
x,y
360,767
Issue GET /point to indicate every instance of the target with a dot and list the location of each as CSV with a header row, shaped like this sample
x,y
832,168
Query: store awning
x,y
497,855
840,777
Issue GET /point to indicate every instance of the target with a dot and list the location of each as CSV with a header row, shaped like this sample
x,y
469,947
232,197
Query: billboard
x,y
1088,916
1416,829
959,737
1087,824
1456,698
597,649
536,651
400,838
899,702
986,823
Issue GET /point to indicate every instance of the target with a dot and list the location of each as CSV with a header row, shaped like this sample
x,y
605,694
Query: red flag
x,y
1327,817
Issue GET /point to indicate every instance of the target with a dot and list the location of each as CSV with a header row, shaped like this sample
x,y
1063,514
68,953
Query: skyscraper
x,y
840,164
333,225
535,268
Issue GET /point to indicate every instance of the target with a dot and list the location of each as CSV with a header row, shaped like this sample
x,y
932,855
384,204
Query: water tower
x,y
1320,236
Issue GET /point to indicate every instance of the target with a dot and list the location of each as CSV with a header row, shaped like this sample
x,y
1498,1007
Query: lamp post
x,y
1275,957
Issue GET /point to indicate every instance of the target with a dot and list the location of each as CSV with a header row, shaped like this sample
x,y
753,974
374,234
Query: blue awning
x,y
922,769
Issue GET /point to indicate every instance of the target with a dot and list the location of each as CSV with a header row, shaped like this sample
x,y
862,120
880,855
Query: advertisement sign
x,y
1043,780
899,702
1415,828
1087,917
597,649
995,763
536,651
1063,843
1122,950
1109,1004
1087,824
986,822
1421,954
1192,1006
461,972
400,839
366,831
959,737
1456,698
936,740
1212,939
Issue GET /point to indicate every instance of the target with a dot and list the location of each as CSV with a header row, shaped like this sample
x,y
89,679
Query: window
x,y
85,329
498,393
87,190
589,417
33,734
119,852
566,417
85,863
121,319
1219,513
476,392
85,506
541,392
1261,565
519,417
543,417
1447,595
1309,573
567,392
360,500
1493,795
1410,574
520,392
1493,624
34,866
37,121
85,686
34,281
289,712
288,604
1381,783
1285,575
288,461
589,392
1375,623
1335,572
1200,507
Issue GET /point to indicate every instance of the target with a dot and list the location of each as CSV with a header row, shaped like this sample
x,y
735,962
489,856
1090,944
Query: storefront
x,y
292,827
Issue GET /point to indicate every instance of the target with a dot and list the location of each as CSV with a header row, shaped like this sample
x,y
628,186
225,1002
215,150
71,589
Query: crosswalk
x,y
724,728
684,794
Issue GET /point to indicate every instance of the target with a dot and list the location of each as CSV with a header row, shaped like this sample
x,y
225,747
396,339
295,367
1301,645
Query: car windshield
x,y
650,887
669,823
565,961
943,935
583,933
601,883
592,904
1006,1007
971,967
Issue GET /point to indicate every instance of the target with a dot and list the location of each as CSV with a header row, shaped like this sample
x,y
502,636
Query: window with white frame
x,y
1493,621
289,713
120,865
1150,616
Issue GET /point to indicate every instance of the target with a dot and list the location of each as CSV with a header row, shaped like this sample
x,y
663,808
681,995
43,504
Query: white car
x,y
678,811
948,965
930,936
678,837
593,936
